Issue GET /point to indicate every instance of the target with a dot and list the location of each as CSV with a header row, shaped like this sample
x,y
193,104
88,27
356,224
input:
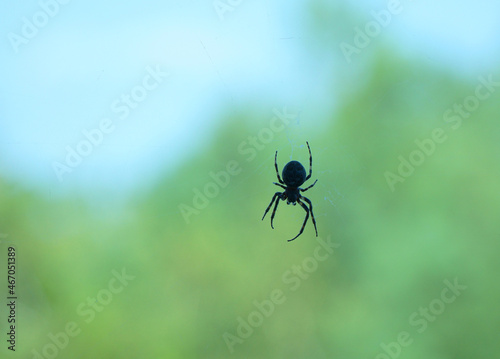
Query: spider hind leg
x,y
312,214
305,220
310,209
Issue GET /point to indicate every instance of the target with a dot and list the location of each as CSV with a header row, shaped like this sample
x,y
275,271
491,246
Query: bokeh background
x,y
119,256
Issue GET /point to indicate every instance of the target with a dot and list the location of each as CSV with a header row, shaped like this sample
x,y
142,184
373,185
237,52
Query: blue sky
x,y
90,54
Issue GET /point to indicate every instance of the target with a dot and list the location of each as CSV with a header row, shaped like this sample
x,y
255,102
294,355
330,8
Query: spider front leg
x,y
277,196
276,167
310,162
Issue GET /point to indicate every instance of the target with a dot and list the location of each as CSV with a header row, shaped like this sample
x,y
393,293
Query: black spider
x,y
294,175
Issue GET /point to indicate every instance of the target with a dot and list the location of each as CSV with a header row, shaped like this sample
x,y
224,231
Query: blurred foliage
x,y
193,281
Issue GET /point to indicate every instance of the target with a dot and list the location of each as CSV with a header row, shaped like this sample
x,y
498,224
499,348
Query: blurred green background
x,y
140,275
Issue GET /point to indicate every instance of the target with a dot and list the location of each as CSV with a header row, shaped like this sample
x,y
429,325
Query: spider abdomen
x,y
294,174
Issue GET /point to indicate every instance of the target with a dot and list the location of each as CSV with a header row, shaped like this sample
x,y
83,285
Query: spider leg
x,y
305,189
310,162
305,220
277,194
278,184
276,166
282,197
312,214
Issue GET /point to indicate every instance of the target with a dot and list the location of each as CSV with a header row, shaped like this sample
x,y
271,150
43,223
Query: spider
x,y
294,175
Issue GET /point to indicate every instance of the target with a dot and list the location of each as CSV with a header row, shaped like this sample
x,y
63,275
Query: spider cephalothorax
x,y
294,175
